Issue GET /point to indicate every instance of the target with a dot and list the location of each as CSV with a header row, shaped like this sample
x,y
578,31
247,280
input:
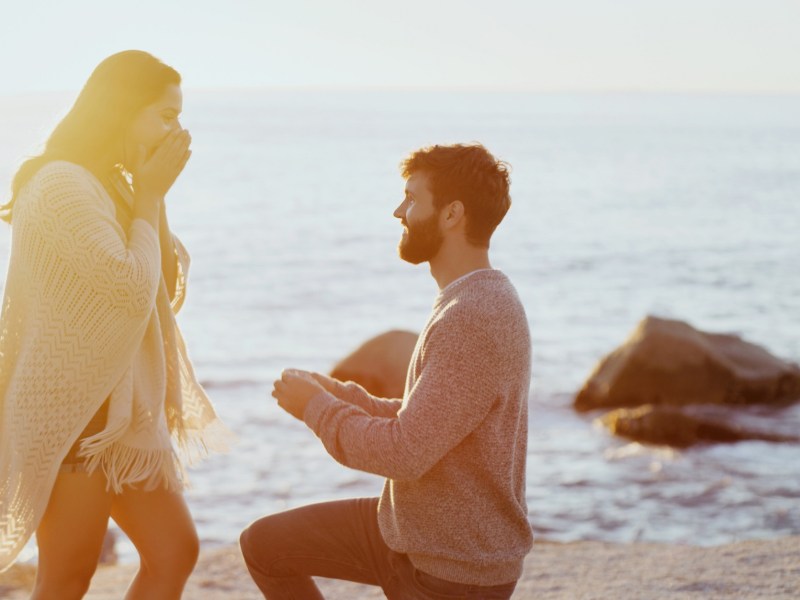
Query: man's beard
x,y
422,241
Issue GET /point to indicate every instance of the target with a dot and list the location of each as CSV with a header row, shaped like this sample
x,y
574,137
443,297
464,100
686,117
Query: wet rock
x,y
666,362
680,428
380,364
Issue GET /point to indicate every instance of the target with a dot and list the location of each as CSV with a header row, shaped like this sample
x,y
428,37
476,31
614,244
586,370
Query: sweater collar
x,y
473,276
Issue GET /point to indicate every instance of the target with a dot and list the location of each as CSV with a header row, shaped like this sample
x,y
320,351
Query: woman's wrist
x,y
148,207
147,197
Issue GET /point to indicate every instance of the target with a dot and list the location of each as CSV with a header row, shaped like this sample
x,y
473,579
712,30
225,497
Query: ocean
x,y
624,205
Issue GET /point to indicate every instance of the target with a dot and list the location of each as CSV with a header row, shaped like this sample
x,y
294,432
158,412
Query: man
x,y
452,519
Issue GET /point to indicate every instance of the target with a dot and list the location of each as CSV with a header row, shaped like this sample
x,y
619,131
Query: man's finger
x,y
324,381
320,377
292,378
286,373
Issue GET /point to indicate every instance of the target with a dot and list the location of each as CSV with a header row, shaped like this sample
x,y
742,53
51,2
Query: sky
x,y
537,45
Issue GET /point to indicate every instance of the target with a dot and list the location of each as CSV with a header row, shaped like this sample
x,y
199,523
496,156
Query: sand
x,y
553,571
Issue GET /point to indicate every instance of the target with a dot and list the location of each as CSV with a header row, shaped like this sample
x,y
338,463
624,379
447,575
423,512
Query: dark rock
x,y
680,428
667,362
380,364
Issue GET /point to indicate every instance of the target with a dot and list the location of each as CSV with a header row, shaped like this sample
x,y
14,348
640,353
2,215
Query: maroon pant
x,y
341,540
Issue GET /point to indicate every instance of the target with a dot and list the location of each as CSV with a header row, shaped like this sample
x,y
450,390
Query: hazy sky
x,y
673,45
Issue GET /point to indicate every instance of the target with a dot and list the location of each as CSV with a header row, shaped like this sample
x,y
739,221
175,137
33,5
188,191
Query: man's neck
x,y
454,261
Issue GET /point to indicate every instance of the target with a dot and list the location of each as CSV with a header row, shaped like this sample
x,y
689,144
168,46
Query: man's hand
x,y
294,390
331,385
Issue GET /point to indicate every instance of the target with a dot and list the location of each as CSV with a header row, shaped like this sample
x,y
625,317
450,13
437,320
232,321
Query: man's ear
x,y
453,214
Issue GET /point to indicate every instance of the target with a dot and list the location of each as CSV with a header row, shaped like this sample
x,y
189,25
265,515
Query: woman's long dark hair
x,y
94,128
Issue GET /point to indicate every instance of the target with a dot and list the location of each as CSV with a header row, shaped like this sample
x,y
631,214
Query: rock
x,y
679,428
380,364
667,362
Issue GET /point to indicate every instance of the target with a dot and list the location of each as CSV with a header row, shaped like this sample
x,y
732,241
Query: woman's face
x,y
152,125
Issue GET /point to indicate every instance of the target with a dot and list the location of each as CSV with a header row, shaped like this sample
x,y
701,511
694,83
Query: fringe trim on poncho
x,y
86,317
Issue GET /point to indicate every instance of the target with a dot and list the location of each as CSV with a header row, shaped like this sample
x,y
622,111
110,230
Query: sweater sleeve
x,y
453,393
353,393
80,247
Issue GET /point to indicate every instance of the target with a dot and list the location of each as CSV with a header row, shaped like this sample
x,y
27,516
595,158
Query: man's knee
x,y
262,540
249,541
244,541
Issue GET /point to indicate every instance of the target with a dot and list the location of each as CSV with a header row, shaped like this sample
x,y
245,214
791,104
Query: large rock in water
x,y
668,362
380,364
681,427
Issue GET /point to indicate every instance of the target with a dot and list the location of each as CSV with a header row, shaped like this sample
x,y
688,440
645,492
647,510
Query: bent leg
x,y
338,540
70,536
159,524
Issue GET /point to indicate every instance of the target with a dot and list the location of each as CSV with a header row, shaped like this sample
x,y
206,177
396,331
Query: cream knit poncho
x,y
86,316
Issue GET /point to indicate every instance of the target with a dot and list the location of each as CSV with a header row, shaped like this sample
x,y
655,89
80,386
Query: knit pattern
x,y
454,448
86,316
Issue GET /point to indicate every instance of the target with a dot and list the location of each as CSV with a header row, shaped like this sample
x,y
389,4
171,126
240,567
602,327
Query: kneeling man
x,y
452,520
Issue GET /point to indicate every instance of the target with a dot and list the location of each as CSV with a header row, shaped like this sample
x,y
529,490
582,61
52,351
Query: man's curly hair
x,y
470,174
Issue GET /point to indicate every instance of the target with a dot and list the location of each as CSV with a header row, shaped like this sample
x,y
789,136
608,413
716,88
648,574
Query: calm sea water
x,y
624,205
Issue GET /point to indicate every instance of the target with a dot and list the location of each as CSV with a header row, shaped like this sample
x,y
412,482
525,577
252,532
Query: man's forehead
x,y
417,182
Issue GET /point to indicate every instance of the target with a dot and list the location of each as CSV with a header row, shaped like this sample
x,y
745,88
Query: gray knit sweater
x,y
453,449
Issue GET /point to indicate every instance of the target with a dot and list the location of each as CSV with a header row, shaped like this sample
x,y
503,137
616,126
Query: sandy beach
x,y
553,571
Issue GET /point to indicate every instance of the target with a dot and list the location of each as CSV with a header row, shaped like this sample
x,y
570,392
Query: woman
x,y
95,382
